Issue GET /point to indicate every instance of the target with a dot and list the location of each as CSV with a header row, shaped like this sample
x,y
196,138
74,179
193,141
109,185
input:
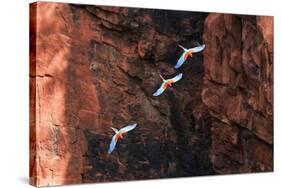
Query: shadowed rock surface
x,y
97,67
238,91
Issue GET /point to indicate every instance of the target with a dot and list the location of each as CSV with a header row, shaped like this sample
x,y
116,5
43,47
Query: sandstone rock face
x,y
97,67
238,91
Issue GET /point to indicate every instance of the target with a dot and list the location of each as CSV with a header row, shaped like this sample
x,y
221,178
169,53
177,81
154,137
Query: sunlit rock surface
x,y
97,67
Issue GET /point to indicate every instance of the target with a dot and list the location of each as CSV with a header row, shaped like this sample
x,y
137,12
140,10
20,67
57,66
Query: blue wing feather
x,y
180,61
159,91
112,144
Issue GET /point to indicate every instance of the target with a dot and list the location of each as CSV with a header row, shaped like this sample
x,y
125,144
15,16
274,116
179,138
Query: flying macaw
x,y
188,52
167,83
119,134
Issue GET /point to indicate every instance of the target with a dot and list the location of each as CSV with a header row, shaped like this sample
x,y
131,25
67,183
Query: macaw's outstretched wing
x,y
176,78
128,128
159,91
112,144
181,60
197,49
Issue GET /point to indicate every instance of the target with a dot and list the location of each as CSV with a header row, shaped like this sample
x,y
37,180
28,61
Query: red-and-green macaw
x,y
167,83
119,134
188,52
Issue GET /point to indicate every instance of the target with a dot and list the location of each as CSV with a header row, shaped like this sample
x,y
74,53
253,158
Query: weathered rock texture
x,y
93,68
238,91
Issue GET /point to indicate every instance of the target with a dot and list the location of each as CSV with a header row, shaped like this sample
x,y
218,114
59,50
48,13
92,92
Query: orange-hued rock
x,y
238,91
96,67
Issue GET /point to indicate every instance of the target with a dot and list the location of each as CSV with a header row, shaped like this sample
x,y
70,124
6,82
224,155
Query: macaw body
x,y
166,84
119,134
188,53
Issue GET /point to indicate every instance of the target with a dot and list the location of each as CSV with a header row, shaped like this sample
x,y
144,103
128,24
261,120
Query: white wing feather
x,y
112,144
128,128
159,91
181,60
197,49
176,78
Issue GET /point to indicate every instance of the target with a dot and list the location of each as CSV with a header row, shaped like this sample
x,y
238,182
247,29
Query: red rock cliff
x,y
238,91
97,67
